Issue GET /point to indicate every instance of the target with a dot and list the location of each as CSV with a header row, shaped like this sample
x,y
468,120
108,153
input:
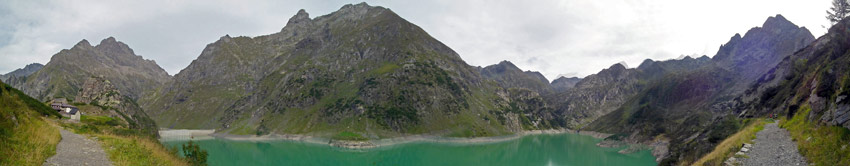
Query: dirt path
x,y
75,149
773,146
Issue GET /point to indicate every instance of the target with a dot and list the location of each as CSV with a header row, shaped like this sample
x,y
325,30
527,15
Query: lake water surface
x,y
545,149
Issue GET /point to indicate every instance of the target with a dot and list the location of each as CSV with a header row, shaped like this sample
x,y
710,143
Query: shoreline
x,y
185,134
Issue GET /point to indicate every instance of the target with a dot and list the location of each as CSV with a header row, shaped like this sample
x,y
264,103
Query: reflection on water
x,y
559,149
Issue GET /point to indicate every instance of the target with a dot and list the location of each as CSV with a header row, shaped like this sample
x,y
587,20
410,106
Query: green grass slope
x,y
25,137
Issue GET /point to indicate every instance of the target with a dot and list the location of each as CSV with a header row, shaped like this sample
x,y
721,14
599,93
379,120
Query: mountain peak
x,y
299,21
359,10
778,22
301,16
618,67
33,65
646,63
82,43
507,63
359,6
110,44
564,83
109,40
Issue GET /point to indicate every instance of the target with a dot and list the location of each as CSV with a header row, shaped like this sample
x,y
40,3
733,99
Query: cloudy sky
x,y
555,37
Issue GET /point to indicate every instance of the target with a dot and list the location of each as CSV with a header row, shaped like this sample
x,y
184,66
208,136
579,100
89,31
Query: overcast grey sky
x,y
569,37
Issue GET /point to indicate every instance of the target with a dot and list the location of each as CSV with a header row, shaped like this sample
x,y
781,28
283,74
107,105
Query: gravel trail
x,y
773,147
75,149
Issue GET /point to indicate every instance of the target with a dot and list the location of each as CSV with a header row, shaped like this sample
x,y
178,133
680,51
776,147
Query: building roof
x,y
68,106
73,111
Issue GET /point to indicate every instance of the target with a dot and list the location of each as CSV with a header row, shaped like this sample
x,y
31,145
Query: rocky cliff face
x,y
67,70
761,49
814,77
22,72
98,91
361,69
695,110
108,101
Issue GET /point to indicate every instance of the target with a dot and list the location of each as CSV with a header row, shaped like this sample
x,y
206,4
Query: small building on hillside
x,y
73,112
67,110
56,106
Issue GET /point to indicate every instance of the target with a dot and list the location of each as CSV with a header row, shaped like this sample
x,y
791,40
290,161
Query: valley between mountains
x,y
364,73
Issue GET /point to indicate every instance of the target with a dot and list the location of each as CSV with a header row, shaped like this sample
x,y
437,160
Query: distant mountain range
x,y
365,70
22,72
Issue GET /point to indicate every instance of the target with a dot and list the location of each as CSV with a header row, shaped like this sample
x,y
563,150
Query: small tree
x,y
194,153
838,11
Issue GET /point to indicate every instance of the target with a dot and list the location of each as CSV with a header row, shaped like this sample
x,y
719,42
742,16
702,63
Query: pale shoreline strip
x,y
185,134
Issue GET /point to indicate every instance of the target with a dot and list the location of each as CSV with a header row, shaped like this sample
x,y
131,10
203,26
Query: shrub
x,y
194,154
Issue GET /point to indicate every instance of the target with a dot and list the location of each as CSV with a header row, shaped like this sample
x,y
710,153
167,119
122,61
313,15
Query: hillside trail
x,y
75,149
773,147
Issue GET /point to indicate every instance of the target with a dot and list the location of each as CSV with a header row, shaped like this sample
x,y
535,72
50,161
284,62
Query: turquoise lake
x,y
554,149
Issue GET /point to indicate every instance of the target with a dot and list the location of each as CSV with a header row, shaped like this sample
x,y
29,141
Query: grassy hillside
x,y
26,137
124,145
733,143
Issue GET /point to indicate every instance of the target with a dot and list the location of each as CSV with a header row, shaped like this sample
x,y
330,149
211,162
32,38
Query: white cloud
x,y
578,37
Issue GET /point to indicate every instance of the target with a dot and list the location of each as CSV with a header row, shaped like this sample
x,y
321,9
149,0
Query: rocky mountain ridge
x,y
696,110
67,70
563,83
598,94
361,69
509,75
22,72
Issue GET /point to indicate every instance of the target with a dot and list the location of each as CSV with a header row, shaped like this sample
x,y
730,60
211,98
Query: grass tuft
x,y
26,138
732,144
31,144
821,145
133,150
345,135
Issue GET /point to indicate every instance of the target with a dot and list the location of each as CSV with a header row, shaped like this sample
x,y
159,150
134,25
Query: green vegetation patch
x,y
345,135
386,68
733,143
821,145
138,151
100,120
25,137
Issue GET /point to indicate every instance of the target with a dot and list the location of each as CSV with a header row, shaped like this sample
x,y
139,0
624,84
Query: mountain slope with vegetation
x,y
598,94
696,110
810,89
361,70
26,137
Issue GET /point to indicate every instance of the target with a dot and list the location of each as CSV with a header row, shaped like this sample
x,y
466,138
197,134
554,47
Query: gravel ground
x,y
773,146
75,149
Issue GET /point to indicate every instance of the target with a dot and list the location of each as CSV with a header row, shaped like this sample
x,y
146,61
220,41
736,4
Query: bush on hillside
x,y
195,154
